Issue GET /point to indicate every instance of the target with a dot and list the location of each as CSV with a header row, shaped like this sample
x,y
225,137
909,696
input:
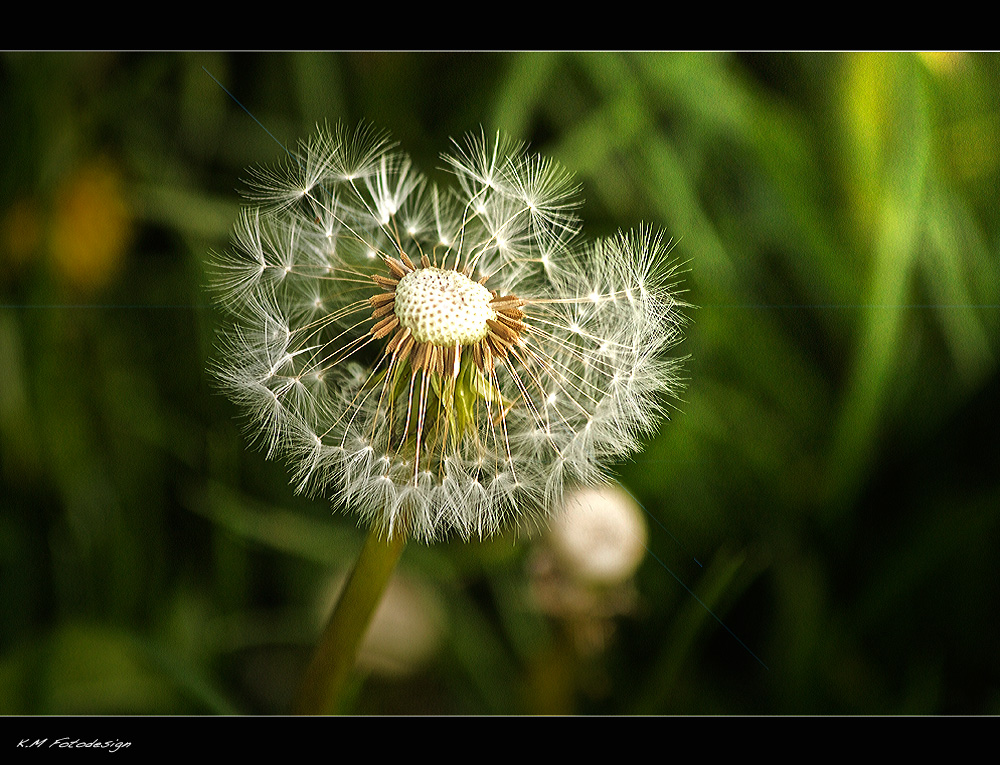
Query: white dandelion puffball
x,y
600,536
441,361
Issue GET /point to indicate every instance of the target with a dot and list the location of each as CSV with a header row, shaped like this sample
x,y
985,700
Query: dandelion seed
x,y
444,362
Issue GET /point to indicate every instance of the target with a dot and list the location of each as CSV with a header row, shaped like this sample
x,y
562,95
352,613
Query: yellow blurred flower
x,y
944,63
22,233
91,226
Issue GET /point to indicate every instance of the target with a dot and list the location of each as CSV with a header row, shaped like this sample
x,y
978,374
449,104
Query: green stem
x,y
333,660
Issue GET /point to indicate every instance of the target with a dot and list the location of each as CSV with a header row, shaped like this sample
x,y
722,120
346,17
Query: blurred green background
x,y
828,486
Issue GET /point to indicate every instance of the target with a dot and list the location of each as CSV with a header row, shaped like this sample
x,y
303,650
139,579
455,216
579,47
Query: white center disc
x,y
443,307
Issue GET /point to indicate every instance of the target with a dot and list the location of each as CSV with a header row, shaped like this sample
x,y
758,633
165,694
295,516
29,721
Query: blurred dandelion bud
x,y
581,572
406,630
441,361
600,537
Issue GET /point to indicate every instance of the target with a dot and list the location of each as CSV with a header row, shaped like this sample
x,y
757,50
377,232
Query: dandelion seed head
x,y
441,361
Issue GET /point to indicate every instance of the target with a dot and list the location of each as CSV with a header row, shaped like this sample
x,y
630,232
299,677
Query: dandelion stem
x,y
331,665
